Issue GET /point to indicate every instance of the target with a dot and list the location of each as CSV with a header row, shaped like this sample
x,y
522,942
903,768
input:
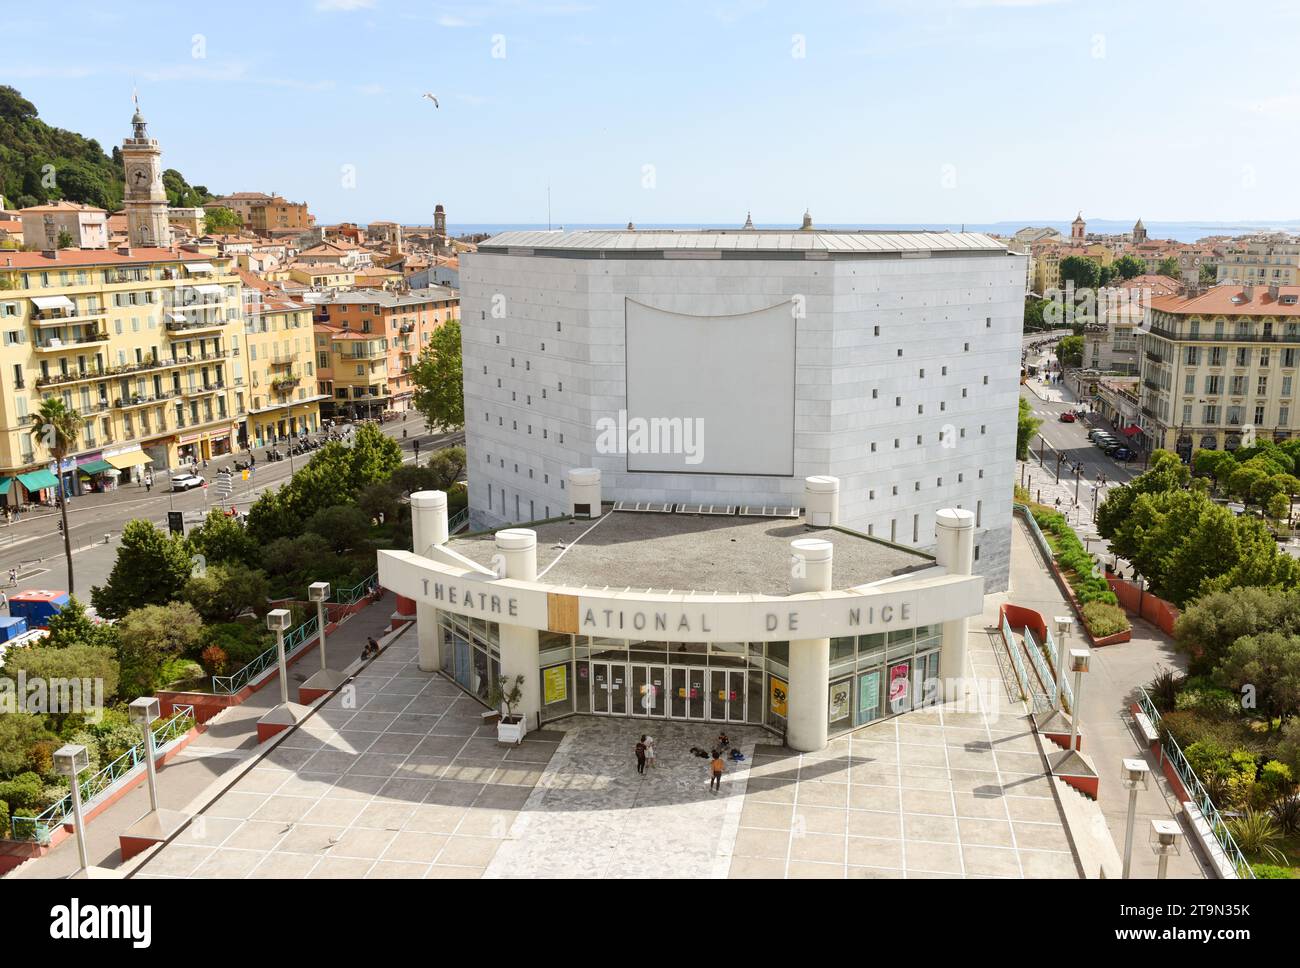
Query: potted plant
x,y
508,691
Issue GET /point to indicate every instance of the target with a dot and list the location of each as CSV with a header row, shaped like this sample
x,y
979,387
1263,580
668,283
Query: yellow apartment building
x,y
281,394
141,342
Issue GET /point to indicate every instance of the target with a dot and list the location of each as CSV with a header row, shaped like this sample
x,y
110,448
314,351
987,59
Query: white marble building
x,y
888,360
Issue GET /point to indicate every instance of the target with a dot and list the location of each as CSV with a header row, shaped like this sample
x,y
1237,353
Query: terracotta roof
x,y
60,206
1231,301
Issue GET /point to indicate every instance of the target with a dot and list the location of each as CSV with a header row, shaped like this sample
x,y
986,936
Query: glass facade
x,y
871,676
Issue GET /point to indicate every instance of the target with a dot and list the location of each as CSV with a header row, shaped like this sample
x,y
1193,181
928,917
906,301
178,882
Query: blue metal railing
x,y
458,521
1066,689
1009,639
350,596
38,828
293,640
1196,790
1040,667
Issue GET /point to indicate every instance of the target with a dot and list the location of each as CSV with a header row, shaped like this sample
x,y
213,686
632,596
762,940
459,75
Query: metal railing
x,y
1196,790
1040,667
1067,691
293,641
458,520
38,828
350,596
1009,639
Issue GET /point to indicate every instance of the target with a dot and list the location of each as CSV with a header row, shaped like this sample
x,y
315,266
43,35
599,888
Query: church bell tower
x,y
145,199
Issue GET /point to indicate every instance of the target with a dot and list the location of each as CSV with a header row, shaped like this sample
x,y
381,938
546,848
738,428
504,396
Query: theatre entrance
x,y
668,692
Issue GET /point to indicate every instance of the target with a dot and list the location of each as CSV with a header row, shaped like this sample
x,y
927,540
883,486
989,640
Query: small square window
x,y
877,333
875,394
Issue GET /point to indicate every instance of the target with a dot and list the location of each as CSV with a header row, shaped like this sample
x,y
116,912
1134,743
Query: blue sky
x,y
695,112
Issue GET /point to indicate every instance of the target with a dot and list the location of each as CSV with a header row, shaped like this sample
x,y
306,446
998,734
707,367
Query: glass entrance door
x,y
609,688
677,699
648,689
727,696
695,692
600,687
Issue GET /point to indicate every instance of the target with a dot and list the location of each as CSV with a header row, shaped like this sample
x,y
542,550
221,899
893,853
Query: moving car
x,y
1067,417
186,482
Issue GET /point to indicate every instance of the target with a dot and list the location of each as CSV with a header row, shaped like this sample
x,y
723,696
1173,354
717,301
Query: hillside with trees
x,y
40,163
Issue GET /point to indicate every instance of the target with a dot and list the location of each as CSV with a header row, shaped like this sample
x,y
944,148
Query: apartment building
x,y
1263,261
139,341
263,213
402,321
281,394
1219,365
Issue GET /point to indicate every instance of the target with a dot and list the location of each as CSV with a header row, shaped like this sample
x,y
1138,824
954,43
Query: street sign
x,y
176,522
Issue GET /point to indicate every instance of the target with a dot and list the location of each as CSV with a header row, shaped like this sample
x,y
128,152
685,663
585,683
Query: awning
x,y
207,290
5,484
95,467
54,302
199,267
129,459
38,480
1132,429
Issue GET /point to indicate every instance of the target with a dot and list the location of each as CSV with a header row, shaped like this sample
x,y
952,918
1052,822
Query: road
x,y
34,545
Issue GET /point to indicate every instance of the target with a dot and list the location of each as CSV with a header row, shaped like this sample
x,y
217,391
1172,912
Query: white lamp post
x,y
1166,838
1134,776
1079,665
318,592
277,620
1063,626
327,679
143,712
71,760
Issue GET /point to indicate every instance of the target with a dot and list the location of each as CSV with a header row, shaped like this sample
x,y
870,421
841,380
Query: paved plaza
x,y
399,778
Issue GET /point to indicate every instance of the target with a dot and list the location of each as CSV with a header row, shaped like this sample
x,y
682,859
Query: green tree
x,y
1244,481
271,517
448,464
1279,507
221,538
151,568
1033,319
1082,271
219,220
1129,266
439,389
1026,426
1169,267
373,457
1270,663
1070,351
94,662
150,636
19,732
1167,473
222,593
1208,626
65,240
343,526
1208,275
71,625
1206,550
57,428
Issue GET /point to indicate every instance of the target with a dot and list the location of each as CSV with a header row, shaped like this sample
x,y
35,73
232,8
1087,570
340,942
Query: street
x,y
33,544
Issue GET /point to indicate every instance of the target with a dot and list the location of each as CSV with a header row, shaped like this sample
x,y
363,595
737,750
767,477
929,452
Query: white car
x,y
186,482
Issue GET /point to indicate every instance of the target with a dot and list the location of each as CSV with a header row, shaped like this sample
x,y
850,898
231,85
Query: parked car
x,y
1122,453
1067,417
186,482
1104,440
1094,432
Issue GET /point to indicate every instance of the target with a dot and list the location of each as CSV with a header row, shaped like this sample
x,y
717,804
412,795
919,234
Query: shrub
x,y
1163,690
180,672
1209,701
1256,833
1274,781
1271,872
1286,813
4,819
23,792
214,660
1103,619
241,642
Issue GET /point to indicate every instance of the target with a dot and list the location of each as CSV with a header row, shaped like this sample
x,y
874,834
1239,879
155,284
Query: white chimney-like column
x,y
954,532
810,659
584,492
516,558
821,498
428,530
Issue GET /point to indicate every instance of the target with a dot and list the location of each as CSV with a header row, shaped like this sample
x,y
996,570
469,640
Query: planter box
x,y
512,732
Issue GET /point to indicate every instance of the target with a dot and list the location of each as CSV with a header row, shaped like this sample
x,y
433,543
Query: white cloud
x,y
343,6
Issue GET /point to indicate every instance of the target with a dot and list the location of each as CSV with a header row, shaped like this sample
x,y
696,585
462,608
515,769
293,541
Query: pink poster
x,y
898,682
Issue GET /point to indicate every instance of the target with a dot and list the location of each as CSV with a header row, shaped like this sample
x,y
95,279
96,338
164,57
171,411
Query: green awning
x,y
96,467
38,480
5,484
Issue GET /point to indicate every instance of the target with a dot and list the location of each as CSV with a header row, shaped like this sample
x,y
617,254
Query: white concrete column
x,y
821,498
428,529
810,659
517,558
954,532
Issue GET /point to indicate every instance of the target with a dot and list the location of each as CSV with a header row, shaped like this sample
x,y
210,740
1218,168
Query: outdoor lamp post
x,y
1135,776
143,712
277,620
318,592
1063,626
71,760
1166,838
1078,665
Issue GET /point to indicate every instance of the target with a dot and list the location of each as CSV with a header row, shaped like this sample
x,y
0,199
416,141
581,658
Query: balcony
x,y
138,400
281,361
57,317
54,345
285,384
203,390
178,324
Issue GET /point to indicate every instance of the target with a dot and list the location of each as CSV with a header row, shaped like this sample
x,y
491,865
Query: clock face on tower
x,y
139,177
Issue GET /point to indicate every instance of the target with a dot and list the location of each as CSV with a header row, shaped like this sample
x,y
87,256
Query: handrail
x,y
458,520
350,596
293,640
1009,639
38,828
1040,666
1196,790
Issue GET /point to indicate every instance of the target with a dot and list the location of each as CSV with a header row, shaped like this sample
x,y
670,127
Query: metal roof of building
x,y
746,240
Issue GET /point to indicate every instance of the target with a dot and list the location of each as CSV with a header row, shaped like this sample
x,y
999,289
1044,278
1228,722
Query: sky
x,y
878,111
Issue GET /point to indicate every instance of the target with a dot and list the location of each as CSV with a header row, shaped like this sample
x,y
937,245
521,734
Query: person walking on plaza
x,y
13,577
650,755
640,755
148,483
717,768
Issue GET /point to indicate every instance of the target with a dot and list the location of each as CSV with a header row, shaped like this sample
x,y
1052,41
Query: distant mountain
x,y
39,163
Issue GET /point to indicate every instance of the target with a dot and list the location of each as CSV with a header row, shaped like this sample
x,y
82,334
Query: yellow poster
x,y
556,680
779,695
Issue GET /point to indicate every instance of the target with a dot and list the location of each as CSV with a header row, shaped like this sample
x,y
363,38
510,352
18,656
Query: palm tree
x,y
57,428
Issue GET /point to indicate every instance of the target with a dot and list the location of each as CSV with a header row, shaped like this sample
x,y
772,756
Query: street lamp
x,y
318,592
327,679
1134,776
1063,626
277,620
1078,665
1165,838
143,712
70,760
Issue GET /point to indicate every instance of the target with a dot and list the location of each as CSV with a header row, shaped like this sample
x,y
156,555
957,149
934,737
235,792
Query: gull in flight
x,y
431,98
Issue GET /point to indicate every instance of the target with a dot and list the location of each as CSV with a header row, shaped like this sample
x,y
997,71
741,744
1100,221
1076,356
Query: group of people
x,y
370,649
646,756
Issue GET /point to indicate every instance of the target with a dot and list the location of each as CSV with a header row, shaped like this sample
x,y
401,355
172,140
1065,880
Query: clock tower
x,y
145,199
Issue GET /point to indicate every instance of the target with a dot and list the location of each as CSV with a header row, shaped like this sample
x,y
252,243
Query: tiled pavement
x,y
396,779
